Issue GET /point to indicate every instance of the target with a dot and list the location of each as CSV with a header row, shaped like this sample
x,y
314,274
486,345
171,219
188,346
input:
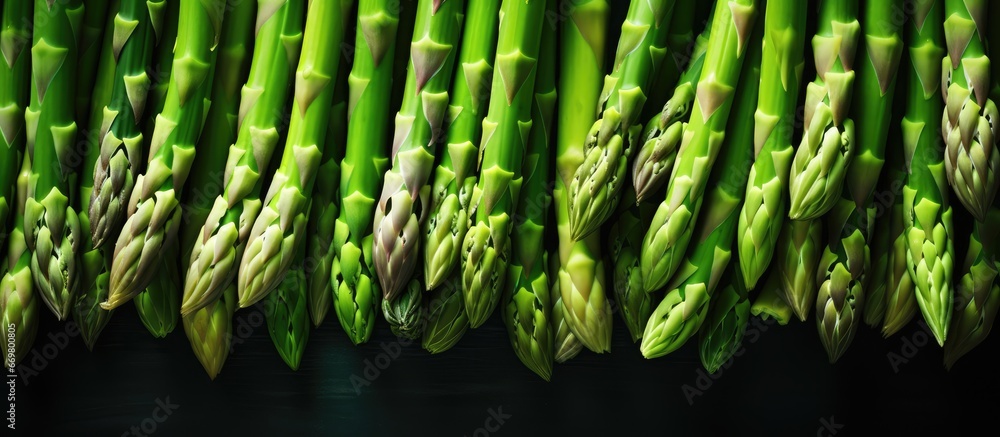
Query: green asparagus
x,y
977,296
799,249
160,303
781,72
817,174
405,314
18,299
670,232
770,303
95,18
15,76
210,331
900,298
635,305
214,259
287,314
447,320
721,336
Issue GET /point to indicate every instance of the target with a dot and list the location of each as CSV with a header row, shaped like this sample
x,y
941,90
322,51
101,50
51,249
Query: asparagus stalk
x,y
160,68
721,336
816,177
52,228
670,232
215,256
95,262
91,50
405,315
286,312
486,249
680,44
580,280
210,331
664,132
900,299
800,246
977,296
18,301
680,315
222,121
455,176
447,320
565,344
322,258
402,207
926,212
635,305
155,213
781,72
279,228
160,303
356,297
527,296
15,75
770,304
876,279
969,125
595,190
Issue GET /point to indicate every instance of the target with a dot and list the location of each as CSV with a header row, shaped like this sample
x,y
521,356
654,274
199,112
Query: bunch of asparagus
x,y
199,157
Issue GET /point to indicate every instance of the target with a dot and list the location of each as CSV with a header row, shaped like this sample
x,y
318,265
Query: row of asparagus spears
x,y
197,157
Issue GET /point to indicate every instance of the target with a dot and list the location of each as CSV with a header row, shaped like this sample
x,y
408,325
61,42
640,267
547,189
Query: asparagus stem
x,y
286,312
19,304
799,249
721,336
15,77
977,296
769,304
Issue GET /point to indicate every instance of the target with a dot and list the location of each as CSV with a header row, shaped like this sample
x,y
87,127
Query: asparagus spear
x,y
155,214
926,212
816,177
405,315
356,297
565,344
401,208
455,176
977,296
680,45
210,331
580,279
91,50
279,227
160,303
635,305
682,311
781,72
800,246
663,133
969,125
876,279
670,232
52,228
486,249
447,320
900,299
721,336
15,74
18,300
160,68
770,304
596,188
95,262
218,249
286,311
527,296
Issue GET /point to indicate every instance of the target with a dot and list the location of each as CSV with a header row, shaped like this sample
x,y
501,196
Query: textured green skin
x,y
155,213
121,141
596,189
580,279
455,177
683,310
235,52
95,263
91,51
668,236
287,313
420,124
210,331
15,77
968,123
18,300
721,335
405,314
663,133
526,297
486,249
52,228
279,229
770,302
875,279
160,303
926,211
977,296
217,249
356,296
828,146
326,200
447,320
159,71
900,297
781,72
799,248
625,234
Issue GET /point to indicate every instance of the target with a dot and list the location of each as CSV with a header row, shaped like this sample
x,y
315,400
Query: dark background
x,y
781,385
